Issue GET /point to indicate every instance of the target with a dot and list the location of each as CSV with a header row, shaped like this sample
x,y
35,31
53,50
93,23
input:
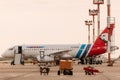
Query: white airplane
x,y
48,52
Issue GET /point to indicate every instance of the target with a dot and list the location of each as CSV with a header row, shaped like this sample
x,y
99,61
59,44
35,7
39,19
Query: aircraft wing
x,y
50,57
59,53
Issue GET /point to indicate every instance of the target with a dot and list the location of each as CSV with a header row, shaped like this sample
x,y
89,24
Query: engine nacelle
x,y
45,59
66,56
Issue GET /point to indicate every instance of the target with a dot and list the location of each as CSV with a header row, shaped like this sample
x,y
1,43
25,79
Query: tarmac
x,y
31,72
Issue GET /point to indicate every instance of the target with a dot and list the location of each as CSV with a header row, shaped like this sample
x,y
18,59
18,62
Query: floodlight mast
x,y
98,2
93,13
88,23
109,36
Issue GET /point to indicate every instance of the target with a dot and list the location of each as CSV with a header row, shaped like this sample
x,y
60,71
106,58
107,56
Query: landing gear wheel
x,y
58,72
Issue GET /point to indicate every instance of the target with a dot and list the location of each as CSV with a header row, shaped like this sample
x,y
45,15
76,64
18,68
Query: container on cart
x,y
65,67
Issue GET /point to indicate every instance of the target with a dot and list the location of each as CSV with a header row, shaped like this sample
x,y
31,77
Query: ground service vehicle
x,y
65,67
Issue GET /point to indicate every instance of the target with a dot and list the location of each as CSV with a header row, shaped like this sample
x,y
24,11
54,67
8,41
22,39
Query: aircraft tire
x,y
58,72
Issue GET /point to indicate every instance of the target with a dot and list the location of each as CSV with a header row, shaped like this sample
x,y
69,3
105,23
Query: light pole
x,y
108,8
88,23
98,2
93,13
109,36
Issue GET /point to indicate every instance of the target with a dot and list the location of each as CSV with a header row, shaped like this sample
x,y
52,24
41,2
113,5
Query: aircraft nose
x,y
3,54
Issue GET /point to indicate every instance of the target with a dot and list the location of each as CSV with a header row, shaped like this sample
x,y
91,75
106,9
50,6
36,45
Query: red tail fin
x,y
103,37
100,45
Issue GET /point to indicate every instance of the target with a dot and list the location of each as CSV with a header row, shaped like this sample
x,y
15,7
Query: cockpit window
x,y
10,48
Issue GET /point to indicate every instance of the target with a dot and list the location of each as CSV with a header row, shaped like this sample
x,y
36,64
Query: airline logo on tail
x,y
104,37
100,45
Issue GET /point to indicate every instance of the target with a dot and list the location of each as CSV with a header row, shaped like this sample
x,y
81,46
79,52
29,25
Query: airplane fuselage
x,y
46,51
77,51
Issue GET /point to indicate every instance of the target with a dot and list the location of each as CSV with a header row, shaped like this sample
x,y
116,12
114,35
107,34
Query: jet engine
x,y
66,56
45,59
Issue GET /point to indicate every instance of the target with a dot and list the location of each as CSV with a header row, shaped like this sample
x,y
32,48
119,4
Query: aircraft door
x,y
42,54
18,55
